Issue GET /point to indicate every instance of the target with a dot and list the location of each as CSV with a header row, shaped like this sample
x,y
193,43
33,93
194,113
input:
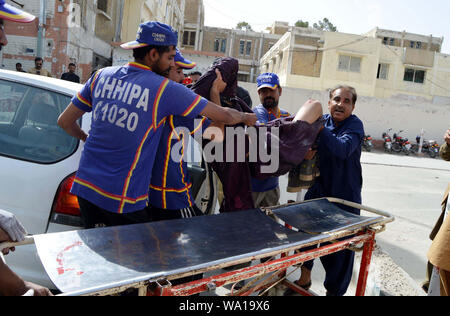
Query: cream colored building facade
x,y
136,12
381,63
203,44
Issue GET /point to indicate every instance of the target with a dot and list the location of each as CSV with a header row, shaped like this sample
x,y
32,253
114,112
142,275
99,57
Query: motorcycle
x,y
387,141
401,144
429,147
367,143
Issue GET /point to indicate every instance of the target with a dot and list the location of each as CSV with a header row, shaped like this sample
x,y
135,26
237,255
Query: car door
x,y
35,157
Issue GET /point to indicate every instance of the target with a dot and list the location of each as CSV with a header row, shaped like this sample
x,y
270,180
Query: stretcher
x,y
150,258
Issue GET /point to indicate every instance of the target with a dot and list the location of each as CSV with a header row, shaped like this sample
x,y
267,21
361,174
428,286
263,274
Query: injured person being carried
x,y
267,150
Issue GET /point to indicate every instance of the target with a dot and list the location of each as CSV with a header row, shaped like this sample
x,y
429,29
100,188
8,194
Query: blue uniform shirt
x,y
170,186
264,116
340,161
129,105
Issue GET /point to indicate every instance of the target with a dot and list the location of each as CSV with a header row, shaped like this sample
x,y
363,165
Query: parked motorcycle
x,y
367,143
429,147
401,144
387,141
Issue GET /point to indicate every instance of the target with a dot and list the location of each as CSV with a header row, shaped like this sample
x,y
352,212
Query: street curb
x,y
386,278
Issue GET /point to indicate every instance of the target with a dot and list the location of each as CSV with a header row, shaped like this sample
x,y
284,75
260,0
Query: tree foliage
x,y
244,26
325,25
301,23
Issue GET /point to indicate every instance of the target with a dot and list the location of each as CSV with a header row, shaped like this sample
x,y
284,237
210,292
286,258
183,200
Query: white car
x,y
38,161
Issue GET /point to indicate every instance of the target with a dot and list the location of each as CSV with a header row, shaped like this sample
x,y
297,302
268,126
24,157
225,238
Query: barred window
x,y
349,63
414,75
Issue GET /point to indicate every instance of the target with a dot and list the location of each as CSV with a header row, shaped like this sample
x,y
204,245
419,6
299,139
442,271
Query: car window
x,y
28,124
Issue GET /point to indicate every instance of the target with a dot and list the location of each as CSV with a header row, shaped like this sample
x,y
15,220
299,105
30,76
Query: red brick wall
x,y
56,30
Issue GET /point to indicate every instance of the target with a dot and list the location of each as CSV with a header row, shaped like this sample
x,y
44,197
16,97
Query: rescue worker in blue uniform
x,y
266,193
340,177
129,105
170,194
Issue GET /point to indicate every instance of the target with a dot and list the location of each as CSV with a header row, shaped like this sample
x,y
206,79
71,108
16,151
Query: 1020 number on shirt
x,y
119,117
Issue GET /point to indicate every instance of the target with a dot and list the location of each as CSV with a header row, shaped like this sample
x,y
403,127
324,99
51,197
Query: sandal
x,y
291,292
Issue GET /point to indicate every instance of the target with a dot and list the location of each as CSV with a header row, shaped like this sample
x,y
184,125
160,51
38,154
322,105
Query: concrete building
x,y
78,31
246,46
200,42
194,22
380,64
136,12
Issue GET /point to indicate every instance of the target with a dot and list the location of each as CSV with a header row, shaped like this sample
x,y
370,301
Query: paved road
x,y
411,189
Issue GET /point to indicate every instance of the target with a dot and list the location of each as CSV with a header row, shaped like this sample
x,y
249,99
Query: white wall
x,y
406,113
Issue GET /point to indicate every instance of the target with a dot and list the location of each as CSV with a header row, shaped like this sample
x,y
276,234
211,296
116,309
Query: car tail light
x,y
66,203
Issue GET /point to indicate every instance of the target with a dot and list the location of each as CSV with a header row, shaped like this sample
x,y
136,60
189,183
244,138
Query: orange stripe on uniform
x,y
83,100
106,194
166,167
162,87
138,65
133,167
192,106
182,172
199,126
94,80
170,190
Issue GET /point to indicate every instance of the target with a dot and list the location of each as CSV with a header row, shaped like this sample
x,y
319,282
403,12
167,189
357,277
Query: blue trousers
x,y
339,269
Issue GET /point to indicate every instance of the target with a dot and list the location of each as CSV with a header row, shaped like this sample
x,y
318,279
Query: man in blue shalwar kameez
x,y
341,177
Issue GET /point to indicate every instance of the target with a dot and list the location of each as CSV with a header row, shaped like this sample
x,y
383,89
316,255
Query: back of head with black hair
x,y
140,53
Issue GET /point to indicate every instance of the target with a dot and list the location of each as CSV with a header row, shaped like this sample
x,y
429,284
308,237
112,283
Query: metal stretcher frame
x,y
358,235
365,236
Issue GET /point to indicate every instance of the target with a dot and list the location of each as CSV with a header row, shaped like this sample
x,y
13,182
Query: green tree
x,y
301,23
244,26
325,25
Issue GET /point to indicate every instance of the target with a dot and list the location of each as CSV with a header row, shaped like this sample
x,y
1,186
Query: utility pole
x,y
41,29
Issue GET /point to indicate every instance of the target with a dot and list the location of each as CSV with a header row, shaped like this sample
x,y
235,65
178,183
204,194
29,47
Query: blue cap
x,y
268,80
153,33
183,62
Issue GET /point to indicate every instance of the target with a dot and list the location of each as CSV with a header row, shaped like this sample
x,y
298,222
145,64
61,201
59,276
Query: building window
x,y
220,45
417,45
223,45
248,48
383,71
349,63
189,38
216,45
389,41
241,47
243,77
102,5
245,48
414,75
